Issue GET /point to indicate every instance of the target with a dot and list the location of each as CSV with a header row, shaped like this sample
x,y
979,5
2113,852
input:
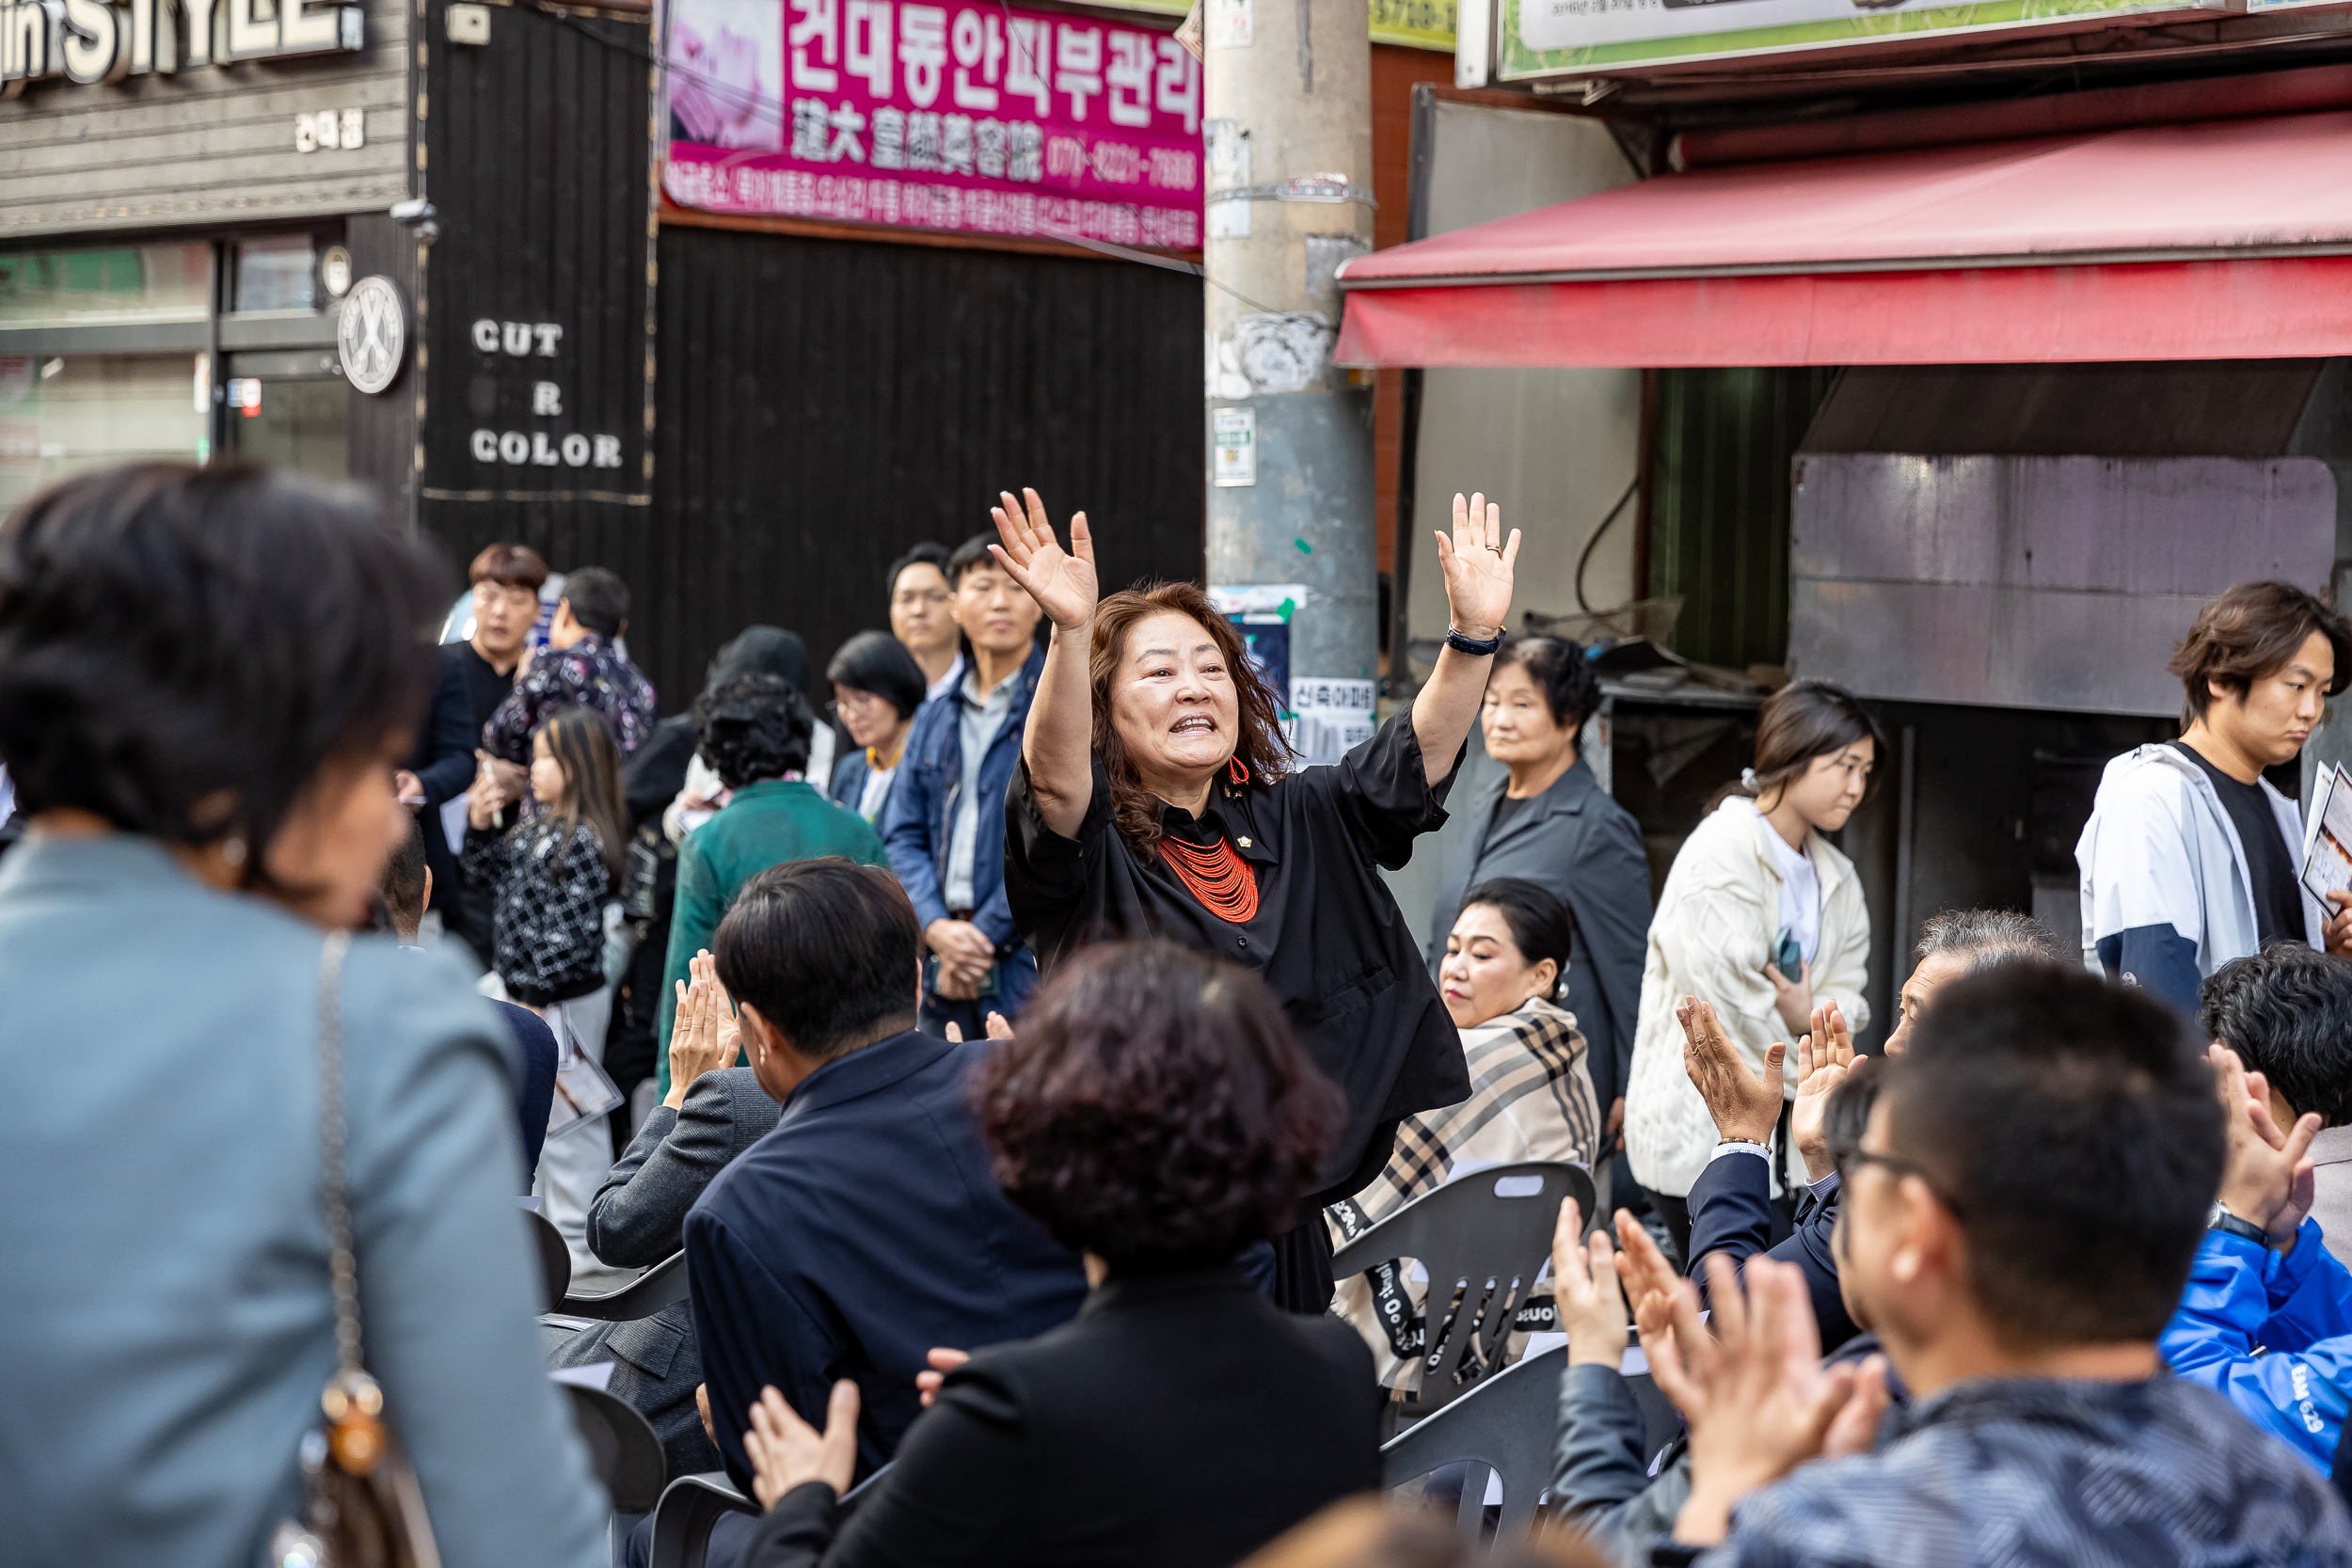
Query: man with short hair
x,y
921,617
2190,856
2018,1221
867,1228
580,669
944,825
2287,1012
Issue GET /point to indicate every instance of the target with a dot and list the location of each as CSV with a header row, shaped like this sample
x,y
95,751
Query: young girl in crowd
x,y
1760,917
551,874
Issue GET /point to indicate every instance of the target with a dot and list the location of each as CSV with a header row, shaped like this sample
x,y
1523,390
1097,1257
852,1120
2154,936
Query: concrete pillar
x,y
1289,99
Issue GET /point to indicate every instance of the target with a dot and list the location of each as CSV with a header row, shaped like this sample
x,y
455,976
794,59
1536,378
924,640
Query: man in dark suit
x,y
867,1228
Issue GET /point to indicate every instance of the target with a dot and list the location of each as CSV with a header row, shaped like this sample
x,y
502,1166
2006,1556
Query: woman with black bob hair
x,y
1762,918
1155,1113
877,686
207,679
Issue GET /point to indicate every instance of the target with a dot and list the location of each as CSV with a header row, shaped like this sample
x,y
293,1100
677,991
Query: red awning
x,y
2228,239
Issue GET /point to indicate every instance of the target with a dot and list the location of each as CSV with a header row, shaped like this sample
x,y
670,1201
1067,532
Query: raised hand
x,y
1585,1290
1823,1059
2266,1177
1478,563
786,1451
1062,582
1744,1106
697,1043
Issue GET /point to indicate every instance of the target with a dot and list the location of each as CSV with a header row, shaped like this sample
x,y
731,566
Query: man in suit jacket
x,y
867,1228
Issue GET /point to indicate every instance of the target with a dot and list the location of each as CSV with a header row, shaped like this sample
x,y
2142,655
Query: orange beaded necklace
x,y
1217,876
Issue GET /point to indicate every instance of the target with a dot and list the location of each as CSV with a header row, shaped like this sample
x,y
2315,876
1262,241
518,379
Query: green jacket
x,y
764,824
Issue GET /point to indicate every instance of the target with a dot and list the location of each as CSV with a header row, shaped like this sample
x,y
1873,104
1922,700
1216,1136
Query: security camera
x,y
420,215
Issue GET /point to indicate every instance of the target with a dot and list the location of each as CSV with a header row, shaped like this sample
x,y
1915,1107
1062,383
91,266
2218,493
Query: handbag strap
x,y
343,1271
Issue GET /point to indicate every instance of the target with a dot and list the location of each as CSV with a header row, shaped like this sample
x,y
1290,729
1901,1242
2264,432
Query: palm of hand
x,y
1477,586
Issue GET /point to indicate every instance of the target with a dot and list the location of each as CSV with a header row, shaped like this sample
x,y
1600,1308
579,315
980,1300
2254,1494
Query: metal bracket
x,y
1328,188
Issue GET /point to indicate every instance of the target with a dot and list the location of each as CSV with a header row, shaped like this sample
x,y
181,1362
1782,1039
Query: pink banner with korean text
x,y
974,118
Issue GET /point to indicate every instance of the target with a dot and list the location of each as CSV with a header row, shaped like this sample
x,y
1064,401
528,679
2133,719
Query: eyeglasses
x,y
915,599
1855,1158
847,700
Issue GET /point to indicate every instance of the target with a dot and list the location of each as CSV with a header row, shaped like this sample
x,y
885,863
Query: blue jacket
x,y
923,801
2271,1335
1731,1213
861,1231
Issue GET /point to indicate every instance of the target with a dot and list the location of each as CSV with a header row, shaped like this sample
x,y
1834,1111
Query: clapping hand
x,y
1744,1105
1824,1057
997,1029
786,1451
1062,582
1753,1392
942,1361
484,801
2267,1176
1478,565
1585,1290
703,1033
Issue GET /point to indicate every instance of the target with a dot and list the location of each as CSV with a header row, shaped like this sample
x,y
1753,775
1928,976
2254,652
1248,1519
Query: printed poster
x,y
976,119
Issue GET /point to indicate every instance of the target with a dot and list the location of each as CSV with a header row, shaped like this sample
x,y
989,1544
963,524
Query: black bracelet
x,y
2230,1225
1459,644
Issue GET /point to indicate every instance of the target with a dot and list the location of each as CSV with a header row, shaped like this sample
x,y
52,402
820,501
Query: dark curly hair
x,y
1155,1109
2287,1012
183,649
752,726
1561,671
1135,810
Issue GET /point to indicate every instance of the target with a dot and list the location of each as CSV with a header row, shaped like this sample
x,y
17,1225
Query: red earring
x,y
1236,770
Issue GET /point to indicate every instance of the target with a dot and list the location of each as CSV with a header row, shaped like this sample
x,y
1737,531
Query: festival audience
x,y
406,889
1156,1113
944,824
1548,822
2287,1013
580,668
1531,1098
764,650
867,1228
920,594
2175,824
753,730
2266,1319
877,686
2018,1223
207,680
506,579
552,874
1762,918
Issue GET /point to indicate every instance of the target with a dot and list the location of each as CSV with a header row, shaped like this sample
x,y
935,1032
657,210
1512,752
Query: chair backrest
x,y
682,1520
622,1448
1504,1424
648,1293
1482,1237
555,1258
1660,1422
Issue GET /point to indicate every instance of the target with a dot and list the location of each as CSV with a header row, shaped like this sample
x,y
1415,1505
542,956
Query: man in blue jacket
x,y
2266,1318
945,825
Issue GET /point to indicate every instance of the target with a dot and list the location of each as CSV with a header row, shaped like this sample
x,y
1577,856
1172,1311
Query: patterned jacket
x,y
1531,1098
589,674
549,885
2031,1471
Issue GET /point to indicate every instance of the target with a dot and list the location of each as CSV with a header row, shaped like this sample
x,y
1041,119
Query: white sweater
x,y
1711,936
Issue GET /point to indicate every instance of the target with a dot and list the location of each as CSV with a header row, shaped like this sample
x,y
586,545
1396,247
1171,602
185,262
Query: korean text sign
x,y
973,118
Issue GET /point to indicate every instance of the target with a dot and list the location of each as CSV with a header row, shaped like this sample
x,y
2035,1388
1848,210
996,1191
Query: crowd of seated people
x,y
2048,1275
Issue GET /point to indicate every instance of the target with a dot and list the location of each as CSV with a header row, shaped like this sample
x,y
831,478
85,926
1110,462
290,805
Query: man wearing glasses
x,y
920,617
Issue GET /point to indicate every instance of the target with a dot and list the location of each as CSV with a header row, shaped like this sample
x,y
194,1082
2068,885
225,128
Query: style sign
x,y
1543,38
976,119
372,333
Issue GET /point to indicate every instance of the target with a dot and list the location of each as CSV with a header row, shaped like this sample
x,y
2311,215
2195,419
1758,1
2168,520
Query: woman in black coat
x,y
1155,1113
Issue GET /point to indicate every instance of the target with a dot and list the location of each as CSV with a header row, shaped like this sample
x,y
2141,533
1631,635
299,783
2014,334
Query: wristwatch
x,y
1461,642
2219,1218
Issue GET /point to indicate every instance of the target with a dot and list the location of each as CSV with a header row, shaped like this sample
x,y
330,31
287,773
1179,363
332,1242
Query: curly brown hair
x,y
1155,1108
1135,810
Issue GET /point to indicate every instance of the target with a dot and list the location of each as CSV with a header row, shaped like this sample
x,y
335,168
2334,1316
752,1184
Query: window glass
x,y
110,284
293,423
277,273
60,414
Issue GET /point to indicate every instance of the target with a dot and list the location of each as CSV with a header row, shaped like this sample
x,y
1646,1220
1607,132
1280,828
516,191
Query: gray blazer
x,y
1587,850
162,1258
638,1219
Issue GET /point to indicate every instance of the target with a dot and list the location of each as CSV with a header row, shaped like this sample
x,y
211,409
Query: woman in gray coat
x,y
1550,822
207,678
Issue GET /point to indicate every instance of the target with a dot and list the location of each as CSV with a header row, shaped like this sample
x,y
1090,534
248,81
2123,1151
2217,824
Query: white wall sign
x,y
1232,23
539,448
330,129
371,334
1334,716
100,42
1234,448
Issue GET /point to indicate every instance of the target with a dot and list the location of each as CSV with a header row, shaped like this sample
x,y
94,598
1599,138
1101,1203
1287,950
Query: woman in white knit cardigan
x,y
1754,879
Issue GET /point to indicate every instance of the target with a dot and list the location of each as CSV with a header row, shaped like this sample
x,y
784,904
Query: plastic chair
x,y
622,1448
555,1258
1660,1422
1482,1237
649,1292
1505,1424
693,1504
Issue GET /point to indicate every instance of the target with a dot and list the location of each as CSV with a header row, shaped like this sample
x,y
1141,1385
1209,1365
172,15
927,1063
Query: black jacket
x,y
1181,1421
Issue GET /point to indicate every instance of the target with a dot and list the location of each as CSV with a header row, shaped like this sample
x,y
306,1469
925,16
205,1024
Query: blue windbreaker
x,y
2271,1335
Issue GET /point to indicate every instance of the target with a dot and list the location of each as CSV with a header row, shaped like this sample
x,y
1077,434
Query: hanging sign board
x,y
1414,24
976,119
1545,38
